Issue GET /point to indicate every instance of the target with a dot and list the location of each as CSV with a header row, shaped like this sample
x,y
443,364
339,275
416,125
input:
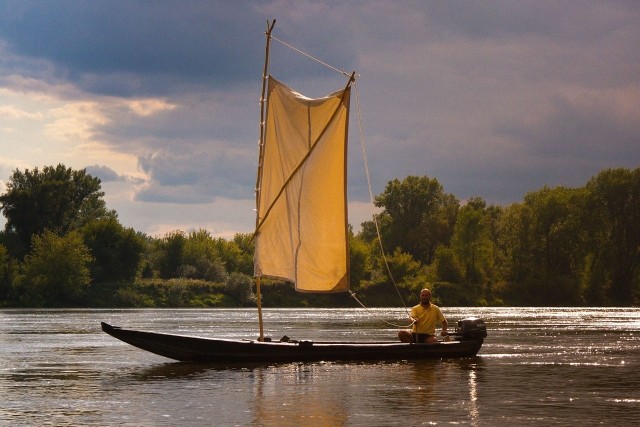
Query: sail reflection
x,y
291,397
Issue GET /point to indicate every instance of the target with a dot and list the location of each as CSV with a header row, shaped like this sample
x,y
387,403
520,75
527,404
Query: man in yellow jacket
x,y
424,318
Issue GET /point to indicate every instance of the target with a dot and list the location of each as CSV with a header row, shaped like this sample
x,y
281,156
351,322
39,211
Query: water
x,y
537,367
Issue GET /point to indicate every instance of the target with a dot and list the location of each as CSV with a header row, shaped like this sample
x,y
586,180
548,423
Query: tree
x,y
419,216
472,244
447,266
117,251
57,269
359,261
194,256
438,228
515,239
614,208
406,272
169,254
202,256
57,199
5,273
542,238
240,288
244,242
231,255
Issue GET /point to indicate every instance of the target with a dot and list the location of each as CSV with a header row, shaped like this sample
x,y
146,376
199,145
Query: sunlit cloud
x,y
148,107
10,112
74,122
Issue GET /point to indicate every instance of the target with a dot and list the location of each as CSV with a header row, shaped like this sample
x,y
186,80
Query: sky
x,y
160,99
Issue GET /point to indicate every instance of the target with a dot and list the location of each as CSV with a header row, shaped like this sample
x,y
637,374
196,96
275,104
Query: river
x,y
538,366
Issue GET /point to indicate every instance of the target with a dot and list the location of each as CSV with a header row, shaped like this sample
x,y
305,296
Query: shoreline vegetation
x,y
62,247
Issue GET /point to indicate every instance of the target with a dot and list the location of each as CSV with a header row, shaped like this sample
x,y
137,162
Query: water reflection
x,y
537,367
170,371
473,399
291,397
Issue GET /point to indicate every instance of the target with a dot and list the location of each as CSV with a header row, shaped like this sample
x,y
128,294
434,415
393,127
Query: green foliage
x,y
57,198
198,256
614,204
359,261
7,272
244,261
448,268
405,270
117,251
56,270
594,281
472,243
369,233
201,258
169,254
452,295
174,293
559,246
240,288
420,216
408,201
544,239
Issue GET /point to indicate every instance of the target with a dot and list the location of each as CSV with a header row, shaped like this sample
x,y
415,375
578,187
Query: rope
x,y
375,217
366,168
311,57
395,325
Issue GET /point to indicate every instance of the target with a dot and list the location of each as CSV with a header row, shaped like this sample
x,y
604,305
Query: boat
x,y
208,350
301,235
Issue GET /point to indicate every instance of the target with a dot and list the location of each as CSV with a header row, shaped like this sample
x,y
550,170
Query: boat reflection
x,y
333,393
293,397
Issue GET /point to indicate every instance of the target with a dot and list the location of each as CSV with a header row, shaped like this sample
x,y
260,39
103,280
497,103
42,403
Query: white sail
x,y
302,209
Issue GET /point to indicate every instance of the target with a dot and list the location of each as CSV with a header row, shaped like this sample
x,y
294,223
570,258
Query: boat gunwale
x,y
108,328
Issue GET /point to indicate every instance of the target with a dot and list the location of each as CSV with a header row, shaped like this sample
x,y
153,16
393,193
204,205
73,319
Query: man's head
x,y
425,297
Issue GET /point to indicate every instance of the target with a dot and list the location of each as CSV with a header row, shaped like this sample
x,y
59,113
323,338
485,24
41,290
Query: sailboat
x,y
301,236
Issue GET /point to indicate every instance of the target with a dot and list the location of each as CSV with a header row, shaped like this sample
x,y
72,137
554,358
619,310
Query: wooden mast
x,y
260,160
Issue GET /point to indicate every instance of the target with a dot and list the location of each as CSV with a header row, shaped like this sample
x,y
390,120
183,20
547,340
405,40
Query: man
x,y
424,316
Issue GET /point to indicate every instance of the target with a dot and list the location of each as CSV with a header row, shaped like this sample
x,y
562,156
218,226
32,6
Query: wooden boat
x,y
301,234
207,350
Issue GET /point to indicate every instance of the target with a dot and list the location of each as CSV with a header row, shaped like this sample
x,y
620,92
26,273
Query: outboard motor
x,y
471,328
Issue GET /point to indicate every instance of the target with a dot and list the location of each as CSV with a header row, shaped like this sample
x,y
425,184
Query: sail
x,y
301,231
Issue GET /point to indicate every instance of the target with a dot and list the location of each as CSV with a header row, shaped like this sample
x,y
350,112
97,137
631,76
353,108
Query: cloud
x,y
10,112
104,173
494,99
196,177
129,48
579,132
474,94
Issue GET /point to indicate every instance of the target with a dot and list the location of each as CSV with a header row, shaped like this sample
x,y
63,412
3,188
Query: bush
x,y
240,288
57,268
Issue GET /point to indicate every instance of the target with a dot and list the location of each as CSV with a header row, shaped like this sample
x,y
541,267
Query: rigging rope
x,y
375,217
366,168
311,57
395,325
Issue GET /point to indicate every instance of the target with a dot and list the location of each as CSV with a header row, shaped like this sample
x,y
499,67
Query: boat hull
x,y
207,350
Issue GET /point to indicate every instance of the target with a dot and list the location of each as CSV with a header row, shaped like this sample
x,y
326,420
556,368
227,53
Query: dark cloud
x,y
182,176
134,47
578,133
494,99
104,173
196,119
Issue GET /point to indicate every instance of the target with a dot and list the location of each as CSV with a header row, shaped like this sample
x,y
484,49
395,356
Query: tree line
x,y
560,246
